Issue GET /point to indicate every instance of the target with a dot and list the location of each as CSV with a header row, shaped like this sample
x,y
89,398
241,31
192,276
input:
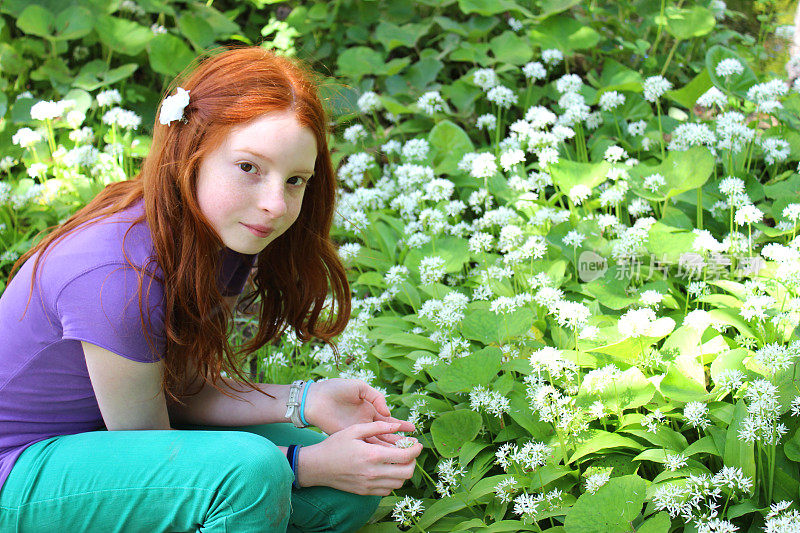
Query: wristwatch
x,y
293,405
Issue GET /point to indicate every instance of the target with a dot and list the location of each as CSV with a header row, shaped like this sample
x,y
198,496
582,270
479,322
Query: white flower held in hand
x,y
172,107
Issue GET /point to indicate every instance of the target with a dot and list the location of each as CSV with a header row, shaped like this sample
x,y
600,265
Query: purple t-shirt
x,y
84,291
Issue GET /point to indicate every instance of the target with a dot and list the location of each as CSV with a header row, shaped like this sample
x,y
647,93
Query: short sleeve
x,y
234,272
101,306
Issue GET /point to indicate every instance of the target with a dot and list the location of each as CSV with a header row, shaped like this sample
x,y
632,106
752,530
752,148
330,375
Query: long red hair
x,y
294,274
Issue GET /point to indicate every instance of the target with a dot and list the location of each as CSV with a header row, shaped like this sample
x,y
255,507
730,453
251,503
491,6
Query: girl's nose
x,y
273,198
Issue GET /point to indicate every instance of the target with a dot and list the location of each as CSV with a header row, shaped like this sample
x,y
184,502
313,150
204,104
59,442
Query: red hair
x,y
294,273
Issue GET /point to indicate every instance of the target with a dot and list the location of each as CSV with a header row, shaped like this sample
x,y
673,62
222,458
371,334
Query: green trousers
x,y
199,478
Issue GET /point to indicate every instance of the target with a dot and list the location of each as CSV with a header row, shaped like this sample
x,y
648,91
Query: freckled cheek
x,y
224,199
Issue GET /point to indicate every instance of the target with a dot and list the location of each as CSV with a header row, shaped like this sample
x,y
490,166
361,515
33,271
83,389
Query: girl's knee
x,y
258,459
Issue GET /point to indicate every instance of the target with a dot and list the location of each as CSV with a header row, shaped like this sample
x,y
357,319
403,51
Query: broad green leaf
x,y
551,7
11,61
440,509
567,174
508,47
659,523
704,445
448,143
609,510
391,35
565,33
597,440
685,23
473,53
424,72
630,390
488,327
451,429
359,61
688,94
95,74
682,171
737,84
169,55
739,453
668,244
465,373
520,412
792,447
412,341
729,360
73,23
618,77
491,7
123,36
677,386
197,30
36,20
663,437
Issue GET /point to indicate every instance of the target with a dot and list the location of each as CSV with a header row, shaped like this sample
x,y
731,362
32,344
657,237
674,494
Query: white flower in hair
x,y
172,107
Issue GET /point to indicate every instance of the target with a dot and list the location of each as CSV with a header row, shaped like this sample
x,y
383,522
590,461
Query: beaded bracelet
x,y
291,455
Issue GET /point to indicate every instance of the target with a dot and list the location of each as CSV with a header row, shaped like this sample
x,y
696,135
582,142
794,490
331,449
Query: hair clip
x,y
172,107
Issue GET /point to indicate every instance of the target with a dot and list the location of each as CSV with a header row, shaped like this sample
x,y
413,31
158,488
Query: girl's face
x,y
257,178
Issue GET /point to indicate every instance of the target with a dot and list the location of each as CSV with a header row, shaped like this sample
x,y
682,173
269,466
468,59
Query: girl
x,y
114,415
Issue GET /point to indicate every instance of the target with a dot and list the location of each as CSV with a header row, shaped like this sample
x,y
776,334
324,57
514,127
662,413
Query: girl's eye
x,y
246,167
297,180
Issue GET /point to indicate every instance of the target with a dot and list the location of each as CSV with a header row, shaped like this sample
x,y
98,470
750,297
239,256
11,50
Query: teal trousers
x,y
199,478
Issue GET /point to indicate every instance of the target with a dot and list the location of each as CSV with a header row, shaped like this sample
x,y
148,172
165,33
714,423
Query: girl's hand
x,y
336,404
346,461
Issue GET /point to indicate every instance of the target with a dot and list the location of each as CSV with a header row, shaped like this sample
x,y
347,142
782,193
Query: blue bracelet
x,y
303,403
291,454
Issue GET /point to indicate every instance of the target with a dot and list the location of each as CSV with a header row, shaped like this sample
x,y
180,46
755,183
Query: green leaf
x,y
677,386
451,429
359,61
508,47
11,61
491,7
737,84
565,33
567,174
169,55
738,452
448,143
484,325
123,36
689,93
792,447
73,23
611,509
465,373
197,30
36,20
618,77
410,340
689,22
424,72
391,35
551,7
659,523
630,390
597,440
95,74
667,243
682,171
